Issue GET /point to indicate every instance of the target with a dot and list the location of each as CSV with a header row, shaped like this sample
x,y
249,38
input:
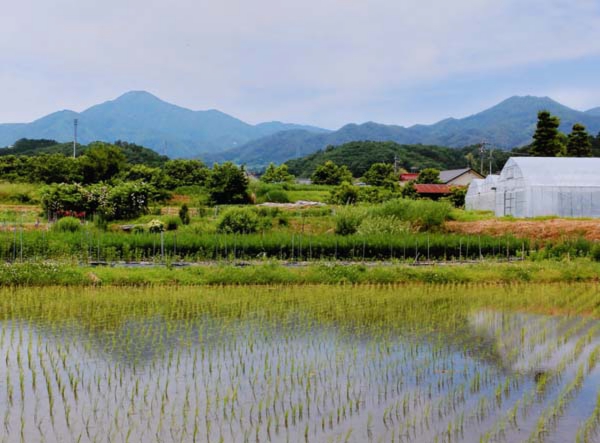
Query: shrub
x,y
277,196
595,252
184,214
67,224
422,214
156,226
172,223
238,220
347,221
345,194
374,225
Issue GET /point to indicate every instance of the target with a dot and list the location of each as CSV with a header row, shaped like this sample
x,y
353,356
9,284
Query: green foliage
x,y
579,144
376,194
123,201
595,252
423,215
347,221
182,172
358,156
381,174
101,162
546,142
155,226
345,194
277,196
67,224
331,174
429,176
184,214
409,191
227,184
378,225
172,223
139,155
457,196
54,168
276,174
238,221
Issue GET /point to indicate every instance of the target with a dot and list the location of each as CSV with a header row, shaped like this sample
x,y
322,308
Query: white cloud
x,y
320,61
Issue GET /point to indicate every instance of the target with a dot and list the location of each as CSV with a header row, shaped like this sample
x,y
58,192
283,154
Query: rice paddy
x,y
369,363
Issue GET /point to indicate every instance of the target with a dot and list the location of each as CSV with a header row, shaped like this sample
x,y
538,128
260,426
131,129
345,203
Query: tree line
x,y
548,141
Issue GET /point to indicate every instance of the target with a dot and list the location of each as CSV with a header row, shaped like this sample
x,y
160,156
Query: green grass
x,y
19,193
44,274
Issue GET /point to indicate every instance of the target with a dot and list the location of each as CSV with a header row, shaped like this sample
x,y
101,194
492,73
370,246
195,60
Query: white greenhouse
x,y
481,194
537,186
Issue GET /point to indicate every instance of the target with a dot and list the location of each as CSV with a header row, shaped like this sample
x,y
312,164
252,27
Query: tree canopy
x,y
331,174
227,184
276,174
429,176
381,174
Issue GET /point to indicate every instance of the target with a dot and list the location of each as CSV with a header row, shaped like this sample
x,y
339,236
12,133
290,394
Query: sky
x,y
320,62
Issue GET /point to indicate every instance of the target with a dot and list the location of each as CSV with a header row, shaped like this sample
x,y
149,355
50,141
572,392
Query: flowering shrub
x,y
155,226
121,201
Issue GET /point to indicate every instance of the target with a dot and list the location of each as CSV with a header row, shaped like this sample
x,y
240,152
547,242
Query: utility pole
x,y
75,122
395,164
491,157
481,153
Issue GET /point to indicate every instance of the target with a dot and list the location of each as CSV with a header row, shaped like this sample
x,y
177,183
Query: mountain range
x,y
507,125
142,118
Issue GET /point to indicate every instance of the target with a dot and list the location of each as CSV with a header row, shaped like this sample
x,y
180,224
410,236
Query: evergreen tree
x,y
546,138
579,144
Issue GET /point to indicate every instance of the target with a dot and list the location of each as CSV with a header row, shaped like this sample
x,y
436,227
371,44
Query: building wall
x,y
464,180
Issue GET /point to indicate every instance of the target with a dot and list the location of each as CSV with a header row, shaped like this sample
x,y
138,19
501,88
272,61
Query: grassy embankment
x,y
46,274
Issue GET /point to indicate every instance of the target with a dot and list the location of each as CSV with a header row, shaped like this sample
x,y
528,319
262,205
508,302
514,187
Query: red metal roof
x,y
408,176
432,189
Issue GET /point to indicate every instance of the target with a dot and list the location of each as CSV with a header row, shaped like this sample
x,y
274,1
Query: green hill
x,y
359,156
134,154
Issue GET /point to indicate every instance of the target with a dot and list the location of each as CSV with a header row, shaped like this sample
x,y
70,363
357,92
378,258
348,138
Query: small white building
x,y
481,194
538,186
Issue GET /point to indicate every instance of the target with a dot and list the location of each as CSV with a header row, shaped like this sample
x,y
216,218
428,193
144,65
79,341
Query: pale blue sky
x,y
323,62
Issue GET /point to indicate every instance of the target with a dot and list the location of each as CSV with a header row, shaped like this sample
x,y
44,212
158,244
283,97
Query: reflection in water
x,y
491,376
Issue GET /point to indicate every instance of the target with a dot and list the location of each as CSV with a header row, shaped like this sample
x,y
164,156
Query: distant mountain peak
x,y
593,111
138,97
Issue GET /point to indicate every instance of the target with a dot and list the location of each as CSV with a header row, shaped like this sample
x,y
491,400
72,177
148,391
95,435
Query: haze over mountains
x,y
139,117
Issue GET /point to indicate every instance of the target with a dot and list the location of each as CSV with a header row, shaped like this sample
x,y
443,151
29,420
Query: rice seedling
x,y
374,362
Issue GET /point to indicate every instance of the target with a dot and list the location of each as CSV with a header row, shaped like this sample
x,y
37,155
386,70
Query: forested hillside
x,y
360,155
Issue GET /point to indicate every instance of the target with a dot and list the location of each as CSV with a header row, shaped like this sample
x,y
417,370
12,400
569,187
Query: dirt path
x,y
535,229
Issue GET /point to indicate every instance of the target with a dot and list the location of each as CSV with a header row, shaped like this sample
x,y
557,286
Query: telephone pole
x,y
481,153
75,122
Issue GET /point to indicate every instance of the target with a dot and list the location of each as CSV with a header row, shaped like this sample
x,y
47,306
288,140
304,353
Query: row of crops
x,y
100,246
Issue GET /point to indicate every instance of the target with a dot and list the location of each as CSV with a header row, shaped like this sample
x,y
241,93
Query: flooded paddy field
x,y
412,363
